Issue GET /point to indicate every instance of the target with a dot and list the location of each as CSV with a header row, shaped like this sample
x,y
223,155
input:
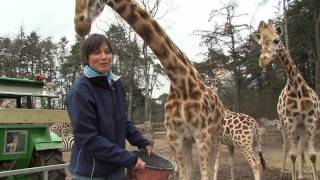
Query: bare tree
x,y
227,36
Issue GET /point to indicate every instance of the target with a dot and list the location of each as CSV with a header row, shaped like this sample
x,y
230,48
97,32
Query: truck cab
x,y
26,111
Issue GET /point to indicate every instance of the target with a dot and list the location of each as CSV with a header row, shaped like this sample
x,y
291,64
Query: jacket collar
x,y
98,78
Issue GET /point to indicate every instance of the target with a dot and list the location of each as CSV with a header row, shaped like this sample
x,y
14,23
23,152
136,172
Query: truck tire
x,y
46,158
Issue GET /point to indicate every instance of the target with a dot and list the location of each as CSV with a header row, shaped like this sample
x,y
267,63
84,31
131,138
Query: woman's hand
x,y
140,164
148,150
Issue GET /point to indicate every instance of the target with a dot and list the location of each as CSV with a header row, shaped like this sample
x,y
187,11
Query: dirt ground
x,y
272,152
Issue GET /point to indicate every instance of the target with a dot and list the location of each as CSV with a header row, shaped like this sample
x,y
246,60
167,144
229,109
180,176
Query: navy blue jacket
x,y
100,124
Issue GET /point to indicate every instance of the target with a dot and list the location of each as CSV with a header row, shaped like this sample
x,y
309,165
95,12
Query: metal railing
x,y
44,169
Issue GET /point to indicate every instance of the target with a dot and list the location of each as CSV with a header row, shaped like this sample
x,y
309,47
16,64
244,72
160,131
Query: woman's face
x,y
101,59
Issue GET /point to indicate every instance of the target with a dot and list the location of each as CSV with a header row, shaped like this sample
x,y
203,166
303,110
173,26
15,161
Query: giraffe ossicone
x,y
193,111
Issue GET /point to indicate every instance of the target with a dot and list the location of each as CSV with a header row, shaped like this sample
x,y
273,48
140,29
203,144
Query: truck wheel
x,y
46,158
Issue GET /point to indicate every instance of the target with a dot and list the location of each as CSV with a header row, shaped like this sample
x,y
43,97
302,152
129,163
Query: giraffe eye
x,y
276,41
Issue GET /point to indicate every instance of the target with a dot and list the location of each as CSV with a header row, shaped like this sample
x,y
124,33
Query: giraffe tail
x,y
258,136
262,161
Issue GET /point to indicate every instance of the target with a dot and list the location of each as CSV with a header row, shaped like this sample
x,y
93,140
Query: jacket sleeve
x,y
83,118
135,137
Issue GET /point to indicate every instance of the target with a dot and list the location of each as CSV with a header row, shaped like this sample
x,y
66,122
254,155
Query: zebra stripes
x,y
64,130
67,142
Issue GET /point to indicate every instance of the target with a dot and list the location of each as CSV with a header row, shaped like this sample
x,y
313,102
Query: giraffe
x,y
298,105
242,130
193,112
61,129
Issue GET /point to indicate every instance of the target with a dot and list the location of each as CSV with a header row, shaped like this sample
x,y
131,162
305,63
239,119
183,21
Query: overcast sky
x,y
54,18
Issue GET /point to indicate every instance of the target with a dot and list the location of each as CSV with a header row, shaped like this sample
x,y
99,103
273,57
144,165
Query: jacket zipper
x,y
93,166
114,110
74,172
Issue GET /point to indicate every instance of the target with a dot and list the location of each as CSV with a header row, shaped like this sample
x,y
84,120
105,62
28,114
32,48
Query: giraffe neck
x,y
291,70
176,65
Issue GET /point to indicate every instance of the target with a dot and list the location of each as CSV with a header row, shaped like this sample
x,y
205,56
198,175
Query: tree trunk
x,y
317,73
237,73
285,25
147,120
130,101
237,79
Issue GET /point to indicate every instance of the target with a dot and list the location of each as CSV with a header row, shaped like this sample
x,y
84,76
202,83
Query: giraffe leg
x,y
247,150
204,146
311,151
285,152
217,161
187,156
293,141
179,152
300,155
231,160
183,157
179,162
258,147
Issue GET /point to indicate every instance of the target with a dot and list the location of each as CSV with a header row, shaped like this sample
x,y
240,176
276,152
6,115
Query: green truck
x,y
25,138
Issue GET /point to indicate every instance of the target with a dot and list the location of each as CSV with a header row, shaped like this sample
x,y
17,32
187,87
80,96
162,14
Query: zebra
x,y
67,142
64,130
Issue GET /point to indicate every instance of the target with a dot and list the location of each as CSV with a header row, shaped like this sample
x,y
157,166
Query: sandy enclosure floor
x,y
272,152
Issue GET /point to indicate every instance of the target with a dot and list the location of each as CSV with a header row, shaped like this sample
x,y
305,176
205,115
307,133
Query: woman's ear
x,y
256,37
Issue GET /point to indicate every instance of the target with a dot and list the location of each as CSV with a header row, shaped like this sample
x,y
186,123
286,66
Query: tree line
x,y
231,56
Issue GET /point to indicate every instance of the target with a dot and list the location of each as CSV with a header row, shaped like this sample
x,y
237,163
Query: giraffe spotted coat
x,y
243,131
193,112
298,105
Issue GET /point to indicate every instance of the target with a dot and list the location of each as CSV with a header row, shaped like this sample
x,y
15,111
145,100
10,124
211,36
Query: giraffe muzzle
x,y
264,61
82,26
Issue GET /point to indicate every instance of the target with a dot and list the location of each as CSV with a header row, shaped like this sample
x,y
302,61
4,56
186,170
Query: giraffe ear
x,y
256,37
262,25
270,23
279,30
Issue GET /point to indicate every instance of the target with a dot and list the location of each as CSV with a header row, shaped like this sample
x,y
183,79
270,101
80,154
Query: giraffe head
x,y
85,13
269,40
220,74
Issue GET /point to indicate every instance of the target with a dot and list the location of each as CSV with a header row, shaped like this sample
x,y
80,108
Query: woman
x,y
96,107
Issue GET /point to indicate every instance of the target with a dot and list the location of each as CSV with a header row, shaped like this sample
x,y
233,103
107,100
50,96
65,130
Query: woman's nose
x,y
103,55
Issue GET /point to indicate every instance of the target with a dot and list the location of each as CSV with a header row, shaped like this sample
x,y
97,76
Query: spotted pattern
x,y
298,106
193,112
243,131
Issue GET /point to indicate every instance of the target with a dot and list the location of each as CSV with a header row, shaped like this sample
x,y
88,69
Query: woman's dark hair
x,y
90,44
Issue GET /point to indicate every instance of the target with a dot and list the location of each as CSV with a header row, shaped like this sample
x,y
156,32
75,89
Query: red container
x,y
156,168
